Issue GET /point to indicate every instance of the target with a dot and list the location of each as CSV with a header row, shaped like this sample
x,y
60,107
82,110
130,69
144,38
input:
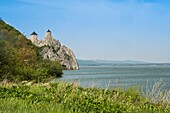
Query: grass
x,y
71,98
156,93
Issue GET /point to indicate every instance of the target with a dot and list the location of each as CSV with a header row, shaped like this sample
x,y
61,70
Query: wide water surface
x,y
121,76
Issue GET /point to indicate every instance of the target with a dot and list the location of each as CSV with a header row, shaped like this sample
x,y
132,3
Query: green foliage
x,y
7,60
43,71
62,97
20,59
54,68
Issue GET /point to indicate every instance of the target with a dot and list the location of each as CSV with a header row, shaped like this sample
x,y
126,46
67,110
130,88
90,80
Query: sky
x,y
98,29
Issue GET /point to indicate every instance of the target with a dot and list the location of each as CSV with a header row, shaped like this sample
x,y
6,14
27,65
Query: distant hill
x,y
108,62
116,63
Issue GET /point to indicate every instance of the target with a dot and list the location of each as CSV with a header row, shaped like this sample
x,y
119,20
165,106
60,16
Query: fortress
x,y
48,39
53,50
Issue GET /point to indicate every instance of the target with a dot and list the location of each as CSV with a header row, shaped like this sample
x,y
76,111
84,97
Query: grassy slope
x,y
62,97
20,59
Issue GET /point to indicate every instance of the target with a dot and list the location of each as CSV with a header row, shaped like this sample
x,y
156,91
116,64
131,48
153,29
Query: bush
x,y
54,67
43,71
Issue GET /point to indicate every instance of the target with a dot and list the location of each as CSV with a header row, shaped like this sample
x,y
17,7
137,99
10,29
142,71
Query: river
x,y
118,76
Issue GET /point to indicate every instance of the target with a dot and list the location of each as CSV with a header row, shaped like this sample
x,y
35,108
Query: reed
x,y
155,92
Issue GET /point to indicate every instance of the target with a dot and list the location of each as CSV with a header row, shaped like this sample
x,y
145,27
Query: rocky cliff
x,y
53,50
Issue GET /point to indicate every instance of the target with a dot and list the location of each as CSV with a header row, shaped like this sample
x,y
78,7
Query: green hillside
x,y
19,58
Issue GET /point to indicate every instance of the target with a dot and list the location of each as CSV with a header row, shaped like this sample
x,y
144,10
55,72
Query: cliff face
x,y
53,50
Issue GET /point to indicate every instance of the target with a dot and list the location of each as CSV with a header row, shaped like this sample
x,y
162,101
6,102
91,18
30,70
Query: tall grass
x,y
156,93
70,98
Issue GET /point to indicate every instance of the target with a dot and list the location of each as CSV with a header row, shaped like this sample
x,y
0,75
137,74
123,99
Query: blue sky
x,y
98,29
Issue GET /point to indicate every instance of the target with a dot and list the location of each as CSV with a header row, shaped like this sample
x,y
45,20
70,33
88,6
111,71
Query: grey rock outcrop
x,y
53,50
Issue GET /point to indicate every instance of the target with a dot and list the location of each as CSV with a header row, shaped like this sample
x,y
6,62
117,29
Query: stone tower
x,y
34,37
48,35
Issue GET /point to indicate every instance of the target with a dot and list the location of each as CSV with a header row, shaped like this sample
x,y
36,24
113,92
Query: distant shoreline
x,y
122,65
118,63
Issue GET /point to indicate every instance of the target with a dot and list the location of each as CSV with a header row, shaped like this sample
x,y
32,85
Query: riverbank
x,y
64,97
